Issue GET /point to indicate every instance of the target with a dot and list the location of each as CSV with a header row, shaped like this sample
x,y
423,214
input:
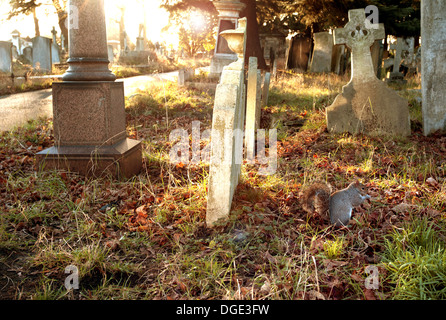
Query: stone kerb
x,y
228,116
366,104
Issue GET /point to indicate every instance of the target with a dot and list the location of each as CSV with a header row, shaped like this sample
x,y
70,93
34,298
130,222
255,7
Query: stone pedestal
x,y
228,14
89,107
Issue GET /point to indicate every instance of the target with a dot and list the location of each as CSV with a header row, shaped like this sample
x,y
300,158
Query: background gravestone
x,y
322,53
42,57
366,104
6,56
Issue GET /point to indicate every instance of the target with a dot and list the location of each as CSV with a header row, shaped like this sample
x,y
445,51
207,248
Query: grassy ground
x,y
146,238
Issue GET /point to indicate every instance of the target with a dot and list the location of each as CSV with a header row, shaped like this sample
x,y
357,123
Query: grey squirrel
x,y
340,204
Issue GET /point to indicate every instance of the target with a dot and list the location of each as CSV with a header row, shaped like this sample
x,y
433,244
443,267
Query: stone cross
x,y
366,105
359,39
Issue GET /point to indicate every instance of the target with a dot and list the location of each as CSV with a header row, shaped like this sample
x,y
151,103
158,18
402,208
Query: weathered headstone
x,y
88,106
377,57
227,130
17,41
299,56
28,54
228,14
433,60
265,88
322,53
366,104
42,57
253,107
55,53
5,56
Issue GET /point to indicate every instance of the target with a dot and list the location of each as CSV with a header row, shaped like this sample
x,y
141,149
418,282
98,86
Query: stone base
x,y
219,61
371,108
121,160
396,77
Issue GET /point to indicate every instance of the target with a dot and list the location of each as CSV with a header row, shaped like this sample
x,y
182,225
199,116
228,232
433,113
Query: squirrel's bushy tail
x,y
316,198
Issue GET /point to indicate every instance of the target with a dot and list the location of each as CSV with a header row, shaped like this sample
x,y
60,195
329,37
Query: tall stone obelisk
x,y
88,105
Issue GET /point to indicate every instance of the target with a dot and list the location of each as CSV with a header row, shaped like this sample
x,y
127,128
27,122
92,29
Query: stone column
x,y
88,106
87,42
433,60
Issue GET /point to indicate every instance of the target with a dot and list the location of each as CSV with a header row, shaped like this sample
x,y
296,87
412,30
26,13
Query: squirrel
x,y
340,204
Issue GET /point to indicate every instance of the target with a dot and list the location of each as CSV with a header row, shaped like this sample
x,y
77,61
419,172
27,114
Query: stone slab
x,y
121,160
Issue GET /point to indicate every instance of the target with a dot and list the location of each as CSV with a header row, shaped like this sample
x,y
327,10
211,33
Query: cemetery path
x,y
17,109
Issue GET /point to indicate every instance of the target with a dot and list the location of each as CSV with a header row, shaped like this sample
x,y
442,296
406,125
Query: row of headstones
x,y
43,54
328,57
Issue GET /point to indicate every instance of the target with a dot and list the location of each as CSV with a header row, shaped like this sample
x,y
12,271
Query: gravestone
x,y
88,106
228,14
265,89
55,53
6,56
366,104
42,57
299,56
227,130
28,54
377,57
17,41
322,53
253,107
433,64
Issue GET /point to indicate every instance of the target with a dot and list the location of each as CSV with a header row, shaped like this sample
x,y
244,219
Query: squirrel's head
x,y
362,188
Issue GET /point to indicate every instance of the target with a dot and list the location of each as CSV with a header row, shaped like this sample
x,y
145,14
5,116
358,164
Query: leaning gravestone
x,y
433,60
366,104
42,57
323,51
5,56
227,130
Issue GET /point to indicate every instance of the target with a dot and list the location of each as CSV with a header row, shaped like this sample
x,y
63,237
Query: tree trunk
x,y
36,23
253,47
62,15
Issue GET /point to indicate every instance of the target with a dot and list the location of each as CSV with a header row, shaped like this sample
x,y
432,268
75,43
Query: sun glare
x,y
138,12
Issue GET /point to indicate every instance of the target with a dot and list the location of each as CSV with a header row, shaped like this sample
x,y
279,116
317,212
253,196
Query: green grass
x,y
415,259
